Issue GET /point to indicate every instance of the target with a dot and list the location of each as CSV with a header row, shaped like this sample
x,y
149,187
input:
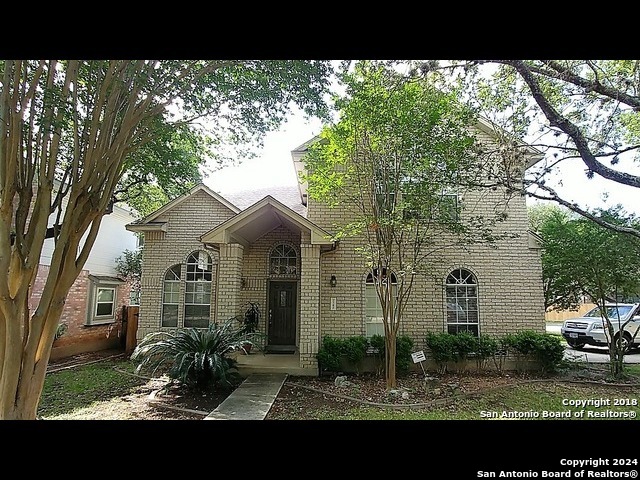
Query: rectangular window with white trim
x,y
103,299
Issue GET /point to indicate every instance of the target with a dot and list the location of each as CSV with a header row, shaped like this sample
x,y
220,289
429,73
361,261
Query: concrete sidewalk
x,y
252,400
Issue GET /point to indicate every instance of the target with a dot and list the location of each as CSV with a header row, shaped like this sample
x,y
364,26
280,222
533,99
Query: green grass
x,y
632,369
529,399
69,390
68,393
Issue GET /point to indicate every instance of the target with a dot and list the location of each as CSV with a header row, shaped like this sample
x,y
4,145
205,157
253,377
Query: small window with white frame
x,y
103,300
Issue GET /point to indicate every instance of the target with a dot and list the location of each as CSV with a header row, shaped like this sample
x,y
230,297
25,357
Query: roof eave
x,y
219,234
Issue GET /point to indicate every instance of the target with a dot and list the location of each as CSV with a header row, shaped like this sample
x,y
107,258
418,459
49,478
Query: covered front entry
x,y
281,328
270,255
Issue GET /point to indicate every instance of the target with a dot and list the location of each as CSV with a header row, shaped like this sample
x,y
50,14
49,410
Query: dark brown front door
x,y
282,313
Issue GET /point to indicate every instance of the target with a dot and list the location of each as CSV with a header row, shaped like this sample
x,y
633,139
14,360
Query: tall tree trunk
x,y
390,361
25,368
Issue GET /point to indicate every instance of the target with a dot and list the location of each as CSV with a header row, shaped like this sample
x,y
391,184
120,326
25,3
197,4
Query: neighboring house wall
x,y
186,222
111,241
86,331
562,315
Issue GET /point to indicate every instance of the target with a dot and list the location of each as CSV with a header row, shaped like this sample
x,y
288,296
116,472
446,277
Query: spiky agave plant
x,y
194,357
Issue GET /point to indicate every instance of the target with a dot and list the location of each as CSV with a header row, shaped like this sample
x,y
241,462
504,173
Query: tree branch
x,y
553,196
558,120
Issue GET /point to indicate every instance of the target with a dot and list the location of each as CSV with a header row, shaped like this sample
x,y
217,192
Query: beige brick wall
x,y
309,305
186,222
230,271
509,276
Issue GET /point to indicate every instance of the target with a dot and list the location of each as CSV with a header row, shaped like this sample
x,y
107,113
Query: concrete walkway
x,y
252,400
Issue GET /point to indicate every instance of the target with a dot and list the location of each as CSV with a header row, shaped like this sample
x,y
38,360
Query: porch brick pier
x,y
309,304
230,274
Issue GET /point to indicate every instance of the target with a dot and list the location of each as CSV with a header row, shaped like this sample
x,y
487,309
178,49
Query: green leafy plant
x,y
443,349
355,349
335,351
330,355
465,344
487,348
129,266
377,346
251,317
546,349
404,346
194,357
61,330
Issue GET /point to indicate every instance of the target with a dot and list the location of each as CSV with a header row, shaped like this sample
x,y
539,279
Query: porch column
x,y
309,304
229,275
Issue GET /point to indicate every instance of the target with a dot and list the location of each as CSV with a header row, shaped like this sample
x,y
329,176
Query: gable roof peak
x,y
201,187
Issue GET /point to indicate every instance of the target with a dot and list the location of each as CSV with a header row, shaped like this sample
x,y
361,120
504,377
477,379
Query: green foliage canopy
x,y
405,166
581,258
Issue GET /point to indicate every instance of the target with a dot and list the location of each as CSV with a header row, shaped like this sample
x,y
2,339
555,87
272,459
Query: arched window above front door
x,y
283,260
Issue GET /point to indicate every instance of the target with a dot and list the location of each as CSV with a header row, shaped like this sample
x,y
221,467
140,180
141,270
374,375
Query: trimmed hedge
x,y
445,348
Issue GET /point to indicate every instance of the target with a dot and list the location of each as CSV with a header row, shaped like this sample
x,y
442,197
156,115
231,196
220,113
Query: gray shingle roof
x,y
287,194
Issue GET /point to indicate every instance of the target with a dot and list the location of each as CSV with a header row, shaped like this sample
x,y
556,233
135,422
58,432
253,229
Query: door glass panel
x,y
283,298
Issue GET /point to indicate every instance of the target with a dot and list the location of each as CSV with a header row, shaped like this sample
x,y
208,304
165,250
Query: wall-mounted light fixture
x,y
334,281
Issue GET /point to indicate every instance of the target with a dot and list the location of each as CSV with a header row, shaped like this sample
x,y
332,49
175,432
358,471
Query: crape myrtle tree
x,y
73,133
560,288
395,163
582,258
585,111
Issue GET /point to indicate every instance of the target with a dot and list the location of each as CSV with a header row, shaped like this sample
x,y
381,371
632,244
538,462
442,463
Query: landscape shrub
x,y
330,355
352,350
546,349
488,347
194,357
443,349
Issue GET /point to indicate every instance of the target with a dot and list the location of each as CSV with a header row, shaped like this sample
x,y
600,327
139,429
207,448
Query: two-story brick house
x,y
206,256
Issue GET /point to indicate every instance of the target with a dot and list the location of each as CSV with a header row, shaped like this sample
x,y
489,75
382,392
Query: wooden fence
x,y
562,315
131,319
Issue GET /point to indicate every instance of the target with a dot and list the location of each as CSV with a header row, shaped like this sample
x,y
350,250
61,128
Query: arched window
x,y
171,297
462,302
373,319
197,295
282,260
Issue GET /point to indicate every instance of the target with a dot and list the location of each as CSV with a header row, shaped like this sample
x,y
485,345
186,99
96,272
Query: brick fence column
x,y
229,278
309,305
